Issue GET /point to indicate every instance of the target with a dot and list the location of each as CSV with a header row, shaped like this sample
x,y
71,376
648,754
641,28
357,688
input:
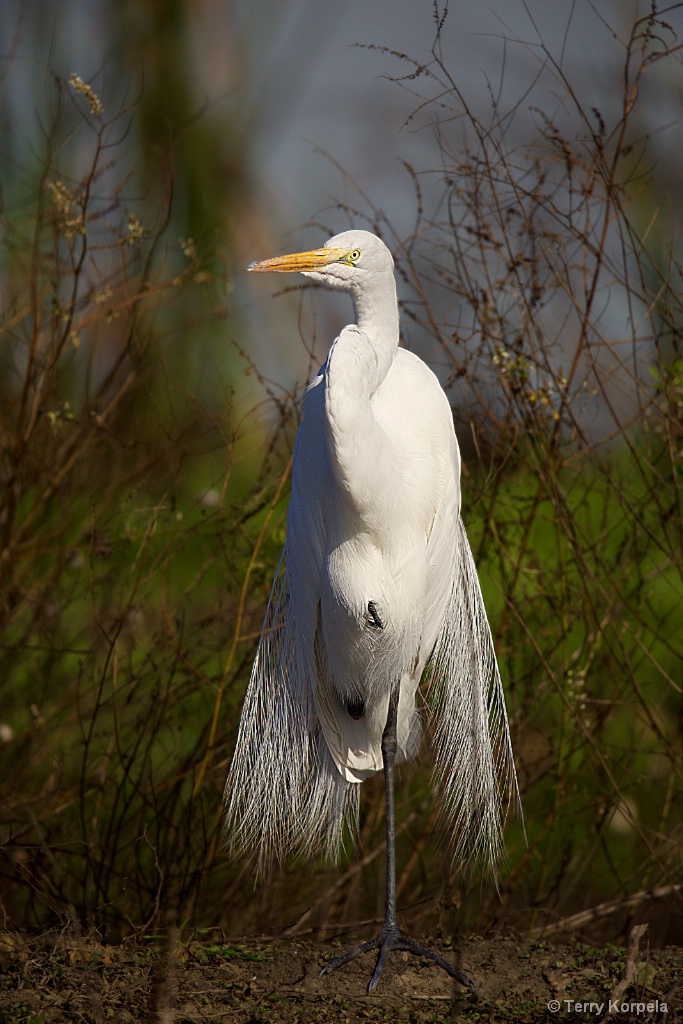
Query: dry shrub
x,y
124,545
543,282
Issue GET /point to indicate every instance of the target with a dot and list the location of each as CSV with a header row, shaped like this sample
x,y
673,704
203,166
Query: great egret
x,y
376,581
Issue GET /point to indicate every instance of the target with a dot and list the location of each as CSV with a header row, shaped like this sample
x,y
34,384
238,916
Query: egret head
x,y
349,261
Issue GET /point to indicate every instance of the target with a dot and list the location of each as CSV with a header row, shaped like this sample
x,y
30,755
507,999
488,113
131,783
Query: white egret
x,y
376,583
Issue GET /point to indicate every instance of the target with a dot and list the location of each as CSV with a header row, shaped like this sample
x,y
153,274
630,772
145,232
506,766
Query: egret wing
x,y
353,746
284,793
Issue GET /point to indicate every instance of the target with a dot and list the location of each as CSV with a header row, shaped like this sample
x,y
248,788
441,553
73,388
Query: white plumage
x,y
376,579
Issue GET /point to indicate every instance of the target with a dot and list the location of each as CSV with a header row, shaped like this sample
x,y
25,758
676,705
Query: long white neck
x,y
358,363
377,318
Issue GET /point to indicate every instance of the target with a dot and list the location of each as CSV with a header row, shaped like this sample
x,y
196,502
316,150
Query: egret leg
x,y
391,936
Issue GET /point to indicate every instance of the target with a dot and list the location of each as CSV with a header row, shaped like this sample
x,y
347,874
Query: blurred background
x,y
521,163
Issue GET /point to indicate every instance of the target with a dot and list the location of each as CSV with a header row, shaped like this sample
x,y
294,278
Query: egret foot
x,y
391,938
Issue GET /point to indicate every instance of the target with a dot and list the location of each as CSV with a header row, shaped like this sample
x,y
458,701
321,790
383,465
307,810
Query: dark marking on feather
x,y
374,616
356,708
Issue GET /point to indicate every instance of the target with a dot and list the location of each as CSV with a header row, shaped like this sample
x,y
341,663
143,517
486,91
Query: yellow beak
x,y
314,259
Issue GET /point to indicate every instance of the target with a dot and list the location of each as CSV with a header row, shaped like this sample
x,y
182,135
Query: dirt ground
x,y
57,979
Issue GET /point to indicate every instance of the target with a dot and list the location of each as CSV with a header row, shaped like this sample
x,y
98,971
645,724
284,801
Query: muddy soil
x,y
60,979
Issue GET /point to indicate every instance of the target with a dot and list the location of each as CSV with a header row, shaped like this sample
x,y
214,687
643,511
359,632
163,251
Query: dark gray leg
x,y
390,937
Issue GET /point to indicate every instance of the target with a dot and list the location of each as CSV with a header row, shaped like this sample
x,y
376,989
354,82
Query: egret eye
x,y
353,255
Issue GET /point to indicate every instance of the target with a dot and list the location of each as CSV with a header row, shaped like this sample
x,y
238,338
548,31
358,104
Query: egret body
x,y
376,581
